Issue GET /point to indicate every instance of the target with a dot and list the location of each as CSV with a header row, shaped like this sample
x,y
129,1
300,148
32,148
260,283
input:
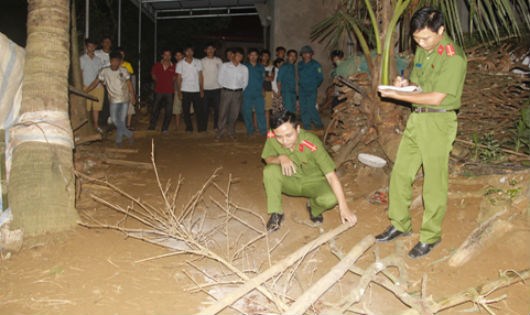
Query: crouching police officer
x,y
298,165
440,70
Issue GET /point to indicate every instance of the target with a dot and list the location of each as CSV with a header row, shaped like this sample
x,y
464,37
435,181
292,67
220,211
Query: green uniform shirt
x,y
442,70
309,154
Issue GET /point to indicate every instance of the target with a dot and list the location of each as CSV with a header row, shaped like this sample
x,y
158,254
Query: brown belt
x,y
431,110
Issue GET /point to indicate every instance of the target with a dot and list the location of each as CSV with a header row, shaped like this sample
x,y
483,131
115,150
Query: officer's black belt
x,y
233,90
431,110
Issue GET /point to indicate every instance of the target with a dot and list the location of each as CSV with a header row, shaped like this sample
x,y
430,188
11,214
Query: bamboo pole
x,y
272,271
323,284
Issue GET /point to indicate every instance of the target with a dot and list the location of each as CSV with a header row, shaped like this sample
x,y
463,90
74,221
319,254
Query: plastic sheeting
x,y
11,75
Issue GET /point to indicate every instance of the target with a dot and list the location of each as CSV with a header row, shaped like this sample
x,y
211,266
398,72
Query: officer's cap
x,y
306,49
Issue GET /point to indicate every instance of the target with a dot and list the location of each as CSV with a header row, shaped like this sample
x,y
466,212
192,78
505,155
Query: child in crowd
x,y
119,87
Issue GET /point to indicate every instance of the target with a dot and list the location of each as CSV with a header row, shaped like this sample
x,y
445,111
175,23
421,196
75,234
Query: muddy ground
x,y
96,271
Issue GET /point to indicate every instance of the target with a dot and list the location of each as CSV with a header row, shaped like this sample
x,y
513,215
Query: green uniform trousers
x,y
427,140
316,188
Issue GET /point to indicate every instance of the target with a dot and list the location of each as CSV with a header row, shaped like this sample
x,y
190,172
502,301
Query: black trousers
x,y
212,98
189,98
162,100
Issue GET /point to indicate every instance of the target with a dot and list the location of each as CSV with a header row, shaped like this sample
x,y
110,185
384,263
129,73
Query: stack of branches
x,y
495,91
351,122
188,231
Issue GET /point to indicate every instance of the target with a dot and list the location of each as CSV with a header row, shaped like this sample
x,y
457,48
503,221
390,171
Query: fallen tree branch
x,y
323,284
477,294
275,269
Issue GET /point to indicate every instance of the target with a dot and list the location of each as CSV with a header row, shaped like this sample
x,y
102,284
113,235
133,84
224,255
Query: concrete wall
x,y
291,22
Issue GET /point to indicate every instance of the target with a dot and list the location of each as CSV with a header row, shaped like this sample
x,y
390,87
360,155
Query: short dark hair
x,y
279,118
252,50
265,51
90,41
189,47
106,37
337,53
280,48
209,45
237,50
292,51
427,17
163,50
115,54
277,61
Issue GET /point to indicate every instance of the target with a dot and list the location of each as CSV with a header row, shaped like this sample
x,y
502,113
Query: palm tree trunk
x,y
41,185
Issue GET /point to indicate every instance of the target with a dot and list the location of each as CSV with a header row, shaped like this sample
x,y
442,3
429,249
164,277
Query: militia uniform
x,y
427,140
287,79
309,79
253,100
312,164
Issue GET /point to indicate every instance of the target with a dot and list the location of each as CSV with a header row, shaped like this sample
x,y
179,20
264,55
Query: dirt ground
x,y
96,271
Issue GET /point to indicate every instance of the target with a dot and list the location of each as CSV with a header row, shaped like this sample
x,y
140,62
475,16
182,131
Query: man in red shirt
x,y
163,74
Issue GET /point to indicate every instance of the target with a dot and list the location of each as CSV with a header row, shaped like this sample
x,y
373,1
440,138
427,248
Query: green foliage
x,y
522,133
361,20
487,148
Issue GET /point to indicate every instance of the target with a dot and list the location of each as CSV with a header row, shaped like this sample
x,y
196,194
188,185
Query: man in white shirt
x,y
90,67
103,53
233,78
119,87
212,89
190,88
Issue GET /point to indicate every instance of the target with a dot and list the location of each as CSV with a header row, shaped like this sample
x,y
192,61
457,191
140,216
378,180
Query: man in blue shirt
x,y
309,79
287,81
253,95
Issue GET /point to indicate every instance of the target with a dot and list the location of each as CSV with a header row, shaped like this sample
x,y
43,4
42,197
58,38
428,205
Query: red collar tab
x,y
308,145
441,49
450,50
270,134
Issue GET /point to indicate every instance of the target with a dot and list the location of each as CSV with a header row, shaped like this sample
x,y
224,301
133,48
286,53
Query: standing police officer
x,y
298,165
440,70
309,79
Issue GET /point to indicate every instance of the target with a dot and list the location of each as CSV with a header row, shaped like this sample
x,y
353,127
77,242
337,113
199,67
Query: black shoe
x,y
318,219
274,222
389,234
421,249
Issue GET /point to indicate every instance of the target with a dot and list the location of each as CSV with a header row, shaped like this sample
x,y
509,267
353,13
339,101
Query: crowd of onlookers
x,y
251,85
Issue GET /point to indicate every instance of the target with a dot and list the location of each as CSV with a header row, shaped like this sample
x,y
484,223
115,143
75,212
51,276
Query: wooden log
x,y
323,284
272,271
90,138
128,163
480,238
81,93
120,150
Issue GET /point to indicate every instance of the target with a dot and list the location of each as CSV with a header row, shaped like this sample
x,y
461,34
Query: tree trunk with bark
x,y
42,186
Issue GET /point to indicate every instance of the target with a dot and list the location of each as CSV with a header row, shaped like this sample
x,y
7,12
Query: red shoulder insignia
x,y
308,145
441,49
450,50
270,134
